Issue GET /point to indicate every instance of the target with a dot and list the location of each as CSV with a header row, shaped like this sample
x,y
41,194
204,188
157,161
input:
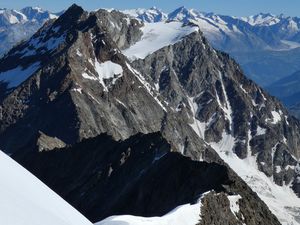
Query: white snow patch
x,y
105,71
241,86
147,86
234,206
93,98
227,108
264,97
277,169
78,53
260,131
198,127
121,103
25,200
289,167
79,90
254,103
156,36
16,76
89,77
276,117
286,120
182,215
108,70
284,139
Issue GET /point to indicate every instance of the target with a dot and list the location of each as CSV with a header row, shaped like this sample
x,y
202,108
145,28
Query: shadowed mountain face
x,y
71,82
139,176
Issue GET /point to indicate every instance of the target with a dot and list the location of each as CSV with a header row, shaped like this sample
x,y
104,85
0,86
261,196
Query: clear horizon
x,y
230,7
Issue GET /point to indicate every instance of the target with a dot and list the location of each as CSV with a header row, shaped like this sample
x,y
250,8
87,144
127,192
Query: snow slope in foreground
x,y
25,200
186,214
156,36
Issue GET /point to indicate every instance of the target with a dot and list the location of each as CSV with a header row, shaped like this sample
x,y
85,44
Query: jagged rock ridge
x,y
141,176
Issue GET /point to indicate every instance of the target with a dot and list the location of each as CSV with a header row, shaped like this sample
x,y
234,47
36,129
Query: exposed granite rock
x,y
46,143
233,209
220,206
124,30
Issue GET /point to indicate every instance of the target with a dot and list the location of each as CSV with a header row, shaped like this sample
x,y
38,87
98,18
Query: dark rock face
x,y
67,99
102,177
222,214
232,210
296,182
51,100
209,84
123,30
139,176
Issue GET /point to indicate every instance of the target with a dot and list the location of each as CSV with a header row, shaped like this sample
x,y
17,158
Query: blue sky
x,y
228,7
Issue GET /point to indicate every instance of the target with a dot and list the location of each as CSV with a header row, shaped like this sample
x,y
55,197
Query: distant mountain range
x,y
228,33
273,41
17,25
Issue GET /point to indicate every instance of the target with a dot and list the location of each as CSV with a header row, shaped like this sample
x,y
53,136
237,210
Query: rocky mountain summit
x,y
86,74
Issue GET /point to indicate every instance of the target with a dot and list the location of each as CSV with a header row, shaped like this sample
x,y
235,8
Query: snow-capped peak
x,y
183,14
37,13
262,19
10,17
151,15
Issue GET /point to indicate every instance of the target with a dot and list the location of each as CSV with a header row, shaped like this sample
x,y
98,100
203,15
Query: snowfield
x,y
182,215
156,36
25,200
